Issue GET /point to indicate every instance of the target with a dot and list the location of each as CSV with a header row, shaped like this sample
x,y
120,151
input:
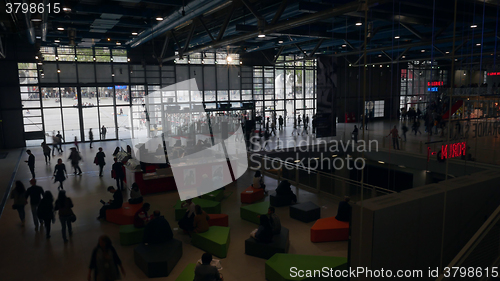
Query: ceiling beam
x,y
190,36
447,57
177,42
299,48
206,29
387,55
162,54
284,25
349,44
225,24
279,12
316,47
278,54
412,30
254,12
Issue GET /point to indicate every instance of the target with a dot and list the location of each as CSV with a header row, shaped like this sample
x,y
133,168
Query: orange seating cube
x,y
218,220
124,215
329,229
250,195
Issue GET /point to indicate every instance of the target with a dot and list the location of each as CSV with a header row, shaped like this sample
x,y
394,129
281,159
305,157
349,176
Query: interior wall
x,y
383,83
405,230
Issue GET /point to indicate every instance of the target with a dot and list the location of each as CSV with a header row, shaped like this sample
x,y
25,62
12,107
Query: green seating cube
x,y
252,212
216,195
278,267
209,206
215,241
187,274
130,235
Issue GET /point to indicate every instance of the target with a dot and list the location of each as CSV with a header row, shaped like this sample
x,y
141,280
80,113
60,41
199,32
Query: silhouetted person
x,y
31,163
141,217
355,134
280,123
344,210
75,160
103,132
116,203
100,160
264,233
395,136
35,194
105,261
45,211
59,141
157,230
60,173
118,173
135,194
46,152
91,137
64,205
206,271
274,220
284,190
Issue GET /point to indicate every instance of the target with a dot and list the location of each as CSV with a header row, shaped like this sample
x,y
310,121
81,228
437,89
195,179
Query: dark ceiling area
x,y
396,31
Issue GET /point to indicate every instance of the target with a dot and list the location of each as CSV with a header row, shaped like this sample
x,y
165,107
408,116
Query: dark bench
x,y
280,244
305,212
158,260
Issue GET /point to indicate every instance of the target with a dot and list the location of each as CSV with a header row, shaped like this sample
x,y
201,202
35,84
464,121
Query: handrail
x,y
312,171
474,241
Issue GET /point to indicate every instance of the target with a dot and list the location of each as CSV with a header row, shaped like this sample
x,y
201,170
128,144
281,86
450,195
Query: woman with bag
x,y
45,211
105,262
60,173
66,215
19,196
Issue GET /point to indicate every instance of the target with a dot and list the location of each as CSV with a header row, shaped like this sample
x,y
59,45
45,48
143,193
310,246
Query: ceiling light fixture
x,y
94,58
229,59
58,71
280,42
134,33
36,57
76,58
159,18
403,57
241,62
112,75
379,56
60,28
423,51
473,26
36,18
67,10
40,63
344,45
396,37
261,35
478,44
111,58
57,58
446,52
109,39
128,59
359,23
57,41
381,162
118,44
202,62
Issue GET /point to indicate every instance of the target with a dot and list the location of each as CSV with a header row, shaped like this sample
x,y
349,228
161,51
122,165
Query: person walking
x,y
355,134
100,160
273,128
91,137
103,132
60,173
404,129
45,211
59,141
105,262
395,136
280,123
75,159
118,173
305,128
19,196
76,144
31,163
46,152
66,215
55,143
35,194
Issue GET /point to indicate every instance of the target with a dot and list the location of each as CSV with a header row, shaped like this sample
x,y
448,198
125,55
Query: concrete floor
x,y
28,255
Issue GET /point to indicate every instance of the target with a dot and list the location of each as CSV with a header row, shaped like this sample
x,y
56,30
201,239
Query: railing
x,y
315,181
481,255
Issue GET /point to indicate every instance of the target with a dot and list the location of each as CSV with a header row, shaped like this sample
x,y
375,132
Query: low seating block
x,y
279,201
329,229
216,195
130,235
218,220
158,260
252,212
123,215
305,212
280,244
215,241
188,273
209,206
251,195
278,266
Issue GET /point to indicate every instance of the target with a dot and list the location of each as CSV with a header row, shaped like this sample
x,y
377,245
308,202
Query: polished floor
x,y
28,255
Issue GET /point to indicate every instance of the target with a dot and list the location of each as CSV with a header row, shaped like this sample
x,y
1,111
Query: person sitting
x,y
344,210
258,181
206,271
264,233
135,194
274,220
186,223
200,221
157,230
116,203
284,190
141,217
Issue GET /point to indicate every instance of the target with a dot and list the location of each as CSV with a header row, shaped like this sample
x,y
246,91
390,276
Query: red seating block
x,y
218,220
329,229
124,215
250,195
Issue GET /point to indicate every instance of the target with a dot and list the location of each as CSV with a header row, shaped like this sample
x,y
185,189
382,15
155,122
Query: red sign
x,y
453,150
493,73
435,83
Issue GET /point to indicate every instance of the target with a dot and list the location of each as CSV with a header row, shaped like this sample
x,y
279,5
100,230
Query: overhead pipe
x,y
45,17
191,10
284,25
30,29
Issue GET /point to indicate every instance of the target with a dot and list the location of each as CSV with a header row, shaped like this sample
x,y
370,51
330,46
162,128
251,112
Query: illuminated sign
x,y
493,73
435,83
453,150
432,89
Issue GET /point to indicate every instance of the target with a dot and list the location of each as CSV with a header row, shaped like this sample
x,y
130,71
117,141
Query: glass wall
x,y
88,88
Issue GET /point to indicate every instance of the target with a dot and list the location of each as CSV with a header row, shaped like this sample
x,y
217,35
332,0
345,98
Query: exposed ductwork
x,y
45,17
191,10
29,26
